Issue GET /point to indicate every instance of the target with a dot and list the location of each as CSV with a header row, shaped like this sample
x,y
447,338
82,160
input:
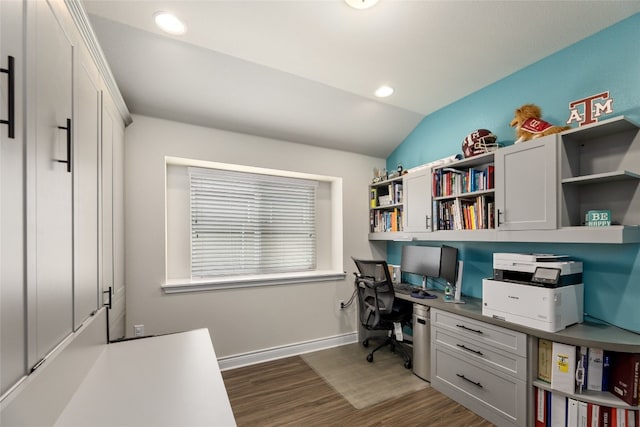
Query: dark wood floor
x,y
287,392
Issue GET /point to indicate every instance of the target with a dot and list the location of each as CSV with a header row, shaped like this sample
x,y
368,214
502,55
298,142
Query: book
x,y
544,360
563,367
625,373
594,369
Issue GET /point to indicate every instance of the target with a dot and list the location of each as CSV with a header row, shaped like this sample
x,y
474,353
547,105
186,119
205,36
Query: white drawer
x,y
497,337
472,349
497,397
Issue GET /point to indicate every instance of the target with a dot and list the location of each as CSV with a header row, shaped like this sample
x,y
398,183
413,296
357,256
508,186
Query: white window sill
x,y
233,282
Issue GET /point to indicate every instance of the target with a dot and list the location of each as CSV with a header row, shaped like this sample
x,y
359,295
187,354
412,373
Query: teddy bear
x,y
529,125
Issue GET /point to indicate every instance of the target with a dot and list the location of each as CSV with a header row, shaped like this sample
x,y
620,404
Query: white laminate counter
x,y
169,380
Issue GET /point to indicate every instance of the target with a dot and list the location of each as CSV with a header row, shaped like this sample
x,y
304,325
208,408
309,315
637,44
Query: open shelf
x,y
602,398
602,177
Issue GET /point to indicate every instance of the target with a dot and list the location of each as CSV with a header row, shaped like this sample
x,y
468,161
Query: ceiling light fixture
x,y
169,23
361,4
384,91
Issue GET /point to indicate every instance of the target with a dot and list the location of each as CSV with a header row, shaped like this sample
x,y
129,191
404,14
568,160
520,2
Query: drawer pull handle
x,y
468,380
477,331
464,347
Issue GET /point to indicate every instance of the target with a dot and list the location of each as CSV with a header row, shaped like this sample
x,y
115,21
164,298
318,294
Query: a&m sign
x,y
589,109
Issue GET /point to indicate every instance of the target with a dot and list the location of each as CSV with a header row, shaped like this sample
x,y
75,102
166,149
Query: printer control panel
x,y
546,276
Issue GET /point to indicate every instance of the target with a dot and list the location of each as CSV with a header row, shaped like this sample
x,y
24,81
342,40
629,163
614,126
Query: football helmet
x,y
479,142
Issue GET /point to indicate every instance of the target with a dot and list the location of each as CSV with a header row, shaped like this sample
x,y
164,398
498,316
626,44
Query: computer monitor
x,y
449,264
451,271
421,260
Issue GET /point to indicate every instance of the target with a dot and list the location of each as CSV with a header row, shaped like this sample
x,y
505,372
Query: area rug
x,y
362,383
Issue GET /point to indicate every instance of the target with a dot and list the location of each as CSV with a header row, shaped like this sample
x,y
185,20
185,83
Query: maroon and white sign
x,y
588,110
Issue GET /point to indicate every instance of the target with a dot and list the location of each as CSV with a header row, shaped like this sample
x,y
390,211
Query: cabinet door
x,y
12,190
417,200
113,216
85,198
50,282
527,185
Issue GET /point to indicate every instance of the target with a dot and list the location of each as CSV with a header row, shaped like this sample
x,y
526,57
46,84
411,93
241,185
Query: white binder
x,y
563,367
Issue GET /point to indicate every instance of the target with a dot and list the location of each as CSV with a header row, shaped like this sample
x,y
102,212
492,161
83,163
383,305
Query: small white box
x,y
384,200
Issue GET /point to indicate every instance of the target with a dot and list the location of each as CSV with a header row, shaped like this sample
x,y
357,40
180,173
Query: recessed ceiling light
x,y
169,23
361,4
383,91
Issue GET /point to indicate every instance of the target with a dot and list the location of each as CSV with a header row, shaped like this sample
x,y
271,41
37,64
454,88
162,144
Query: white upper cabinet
x,y
417,201
526,185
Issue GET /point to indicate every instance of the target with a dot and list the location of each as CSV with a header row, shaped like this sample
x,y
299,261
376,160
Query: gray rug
x,y
362,383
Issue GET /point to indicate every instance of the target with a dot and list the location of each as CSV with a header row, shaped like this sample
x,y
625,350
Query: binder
x,y
595,369
593,415
541,408
572,413
581,369
558,409
583,415
625,377
563,367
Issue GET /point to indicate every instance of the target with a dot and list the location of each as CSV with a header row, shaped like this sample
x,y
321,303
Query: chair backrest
x,y
375,291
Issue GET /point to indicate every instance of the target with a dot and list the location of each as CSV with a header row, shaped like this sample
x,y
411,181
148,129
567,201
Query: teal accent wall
x,y
606,61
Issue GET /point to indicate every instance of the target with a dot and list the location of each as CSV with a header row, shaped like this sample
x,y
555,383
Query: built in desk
x,y
490,365
589,333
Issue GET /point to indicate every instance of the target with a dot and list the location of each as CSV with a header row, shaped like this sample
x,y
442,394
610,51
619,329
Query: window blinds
x,y
244,223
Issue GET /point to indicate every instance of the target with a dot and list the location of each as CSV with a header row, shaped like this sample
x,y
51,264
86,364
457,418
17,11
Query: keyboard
x,y
403,288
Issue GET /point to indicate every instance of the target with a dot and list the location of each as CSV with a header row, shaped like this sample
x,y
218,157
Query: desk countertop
x,y
168,380
588,333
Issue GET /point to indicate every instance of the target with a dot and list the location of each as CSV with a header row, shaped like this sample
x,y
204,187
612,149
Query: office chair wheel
x,y
407,364
370,358
365,343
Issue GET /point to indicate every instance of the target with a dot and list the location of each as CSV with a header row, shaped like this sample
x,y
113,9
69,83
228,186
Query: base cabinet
x,y
481,366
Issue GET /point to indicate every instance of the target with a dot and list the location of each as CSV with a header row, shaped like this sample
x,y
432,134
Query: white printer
x,y
540,291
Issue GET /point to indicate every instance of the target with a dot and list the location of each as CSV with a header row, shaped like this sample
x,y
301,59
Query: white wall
x,y
243,320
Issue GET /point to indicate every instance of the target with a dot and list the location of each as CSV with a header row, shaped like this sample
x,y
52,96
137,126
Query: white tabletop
x,y
169,380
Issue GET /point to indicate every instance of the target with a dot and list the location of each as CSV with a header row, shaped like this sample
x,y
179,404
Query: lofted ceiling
x,y
305,70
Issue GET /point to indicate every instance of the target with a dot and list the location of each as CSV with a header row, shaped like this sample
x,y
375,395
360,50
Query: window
x,y
252,226
247,223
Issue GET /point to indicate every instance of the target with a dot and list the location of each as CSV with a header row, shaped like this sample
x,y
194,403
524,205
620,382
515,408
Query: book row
x,y
464,214
385,221
555,409
572,369
451,182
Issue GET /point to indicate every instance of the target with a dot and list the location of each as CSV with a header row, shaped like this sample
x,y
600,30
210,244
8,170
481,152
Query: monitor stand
x,y
457,287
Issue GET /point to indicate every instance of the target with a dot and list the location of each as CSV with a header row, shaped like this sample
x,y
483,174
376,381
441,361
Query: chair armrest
x,y
370,282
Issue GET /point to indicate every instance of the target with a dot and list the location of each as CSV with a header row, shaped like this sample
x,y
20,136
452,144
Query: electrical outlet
x,y
138,330
340,304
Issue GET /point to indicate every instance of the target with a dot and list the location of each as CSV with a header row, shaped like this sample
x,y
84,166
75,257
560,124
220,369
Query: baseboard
x,y
251,358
